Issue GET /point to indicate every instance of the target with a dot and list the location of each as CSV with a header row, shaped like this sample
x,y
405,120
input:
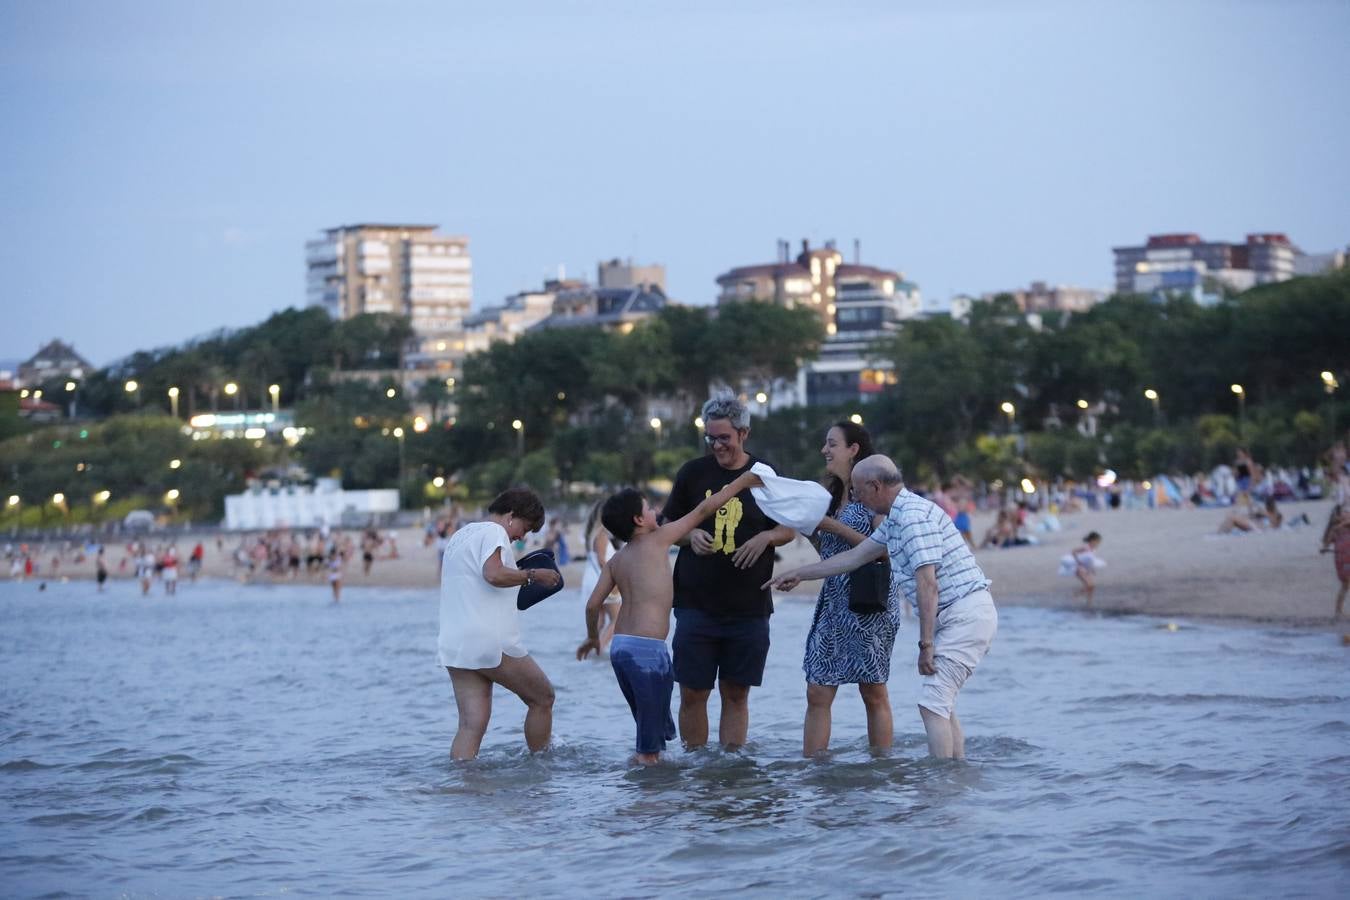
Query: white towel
x,y
798,504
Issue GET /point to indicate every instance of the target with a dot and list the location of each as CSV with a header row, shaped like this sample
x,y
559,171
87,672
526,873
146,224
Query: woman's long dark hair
x,y
853,434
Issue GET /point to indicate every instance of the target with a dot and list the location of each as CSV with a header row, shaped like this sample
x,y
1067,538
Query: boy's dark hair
x,y
1092,536
619,512
522,503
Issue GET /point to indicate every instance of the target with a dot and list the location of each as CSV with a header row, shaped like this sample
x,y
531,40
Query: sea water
x,y
261,741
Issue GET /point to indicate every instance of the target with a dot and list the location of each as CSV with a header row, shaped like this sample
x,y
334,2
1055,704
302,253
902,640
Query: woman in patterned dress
x,y
842,646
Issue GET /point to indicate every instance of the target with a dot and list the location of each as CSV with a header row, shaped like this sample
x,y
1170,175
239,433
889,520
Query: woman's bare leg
x,y
880,727
523,677
816,730
473,699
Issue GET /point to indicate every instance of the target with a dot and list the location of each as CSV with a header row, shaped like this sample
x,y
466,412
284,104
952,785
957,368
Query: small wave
x,y
25,765
1189,699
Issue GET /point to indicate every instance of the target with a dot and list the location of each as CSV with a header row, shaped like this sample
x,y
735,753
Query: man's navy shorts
x,y
710,647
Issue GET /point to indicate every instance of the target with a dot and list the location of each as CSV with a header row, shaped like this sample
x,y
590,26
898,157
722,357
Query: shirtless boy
x,y
641,572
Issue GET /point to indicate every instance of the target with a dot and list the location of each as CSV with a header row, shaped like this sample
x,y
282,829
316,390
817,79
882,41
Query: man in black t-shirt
x,y
721,612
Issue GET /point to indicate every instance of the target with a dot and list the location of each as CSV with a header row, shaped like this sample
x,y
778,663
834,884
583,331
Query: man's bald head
x,y
876,482
877,468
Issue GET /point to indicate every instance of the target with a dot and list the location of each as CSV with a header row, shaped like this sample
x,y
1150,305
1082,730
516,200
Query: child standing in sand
x,y
1083,563
1337,538
641,572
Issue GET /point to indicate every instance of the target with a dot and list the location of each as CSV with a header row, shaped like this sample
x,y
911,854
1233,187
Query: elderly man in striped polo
x,y
938,574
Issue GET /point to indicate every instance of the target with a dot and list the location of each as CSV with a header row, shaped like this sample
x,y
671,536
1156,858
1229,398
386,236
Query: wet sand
x,y
1159,562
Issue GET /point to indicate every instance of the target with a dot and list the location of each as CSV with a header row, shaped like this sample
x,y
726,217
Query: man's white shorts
x,y
965,630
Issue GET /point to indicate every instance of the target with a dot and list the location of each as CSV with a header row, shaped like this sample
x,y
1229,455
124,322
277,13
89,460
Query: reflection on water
x,y
244,741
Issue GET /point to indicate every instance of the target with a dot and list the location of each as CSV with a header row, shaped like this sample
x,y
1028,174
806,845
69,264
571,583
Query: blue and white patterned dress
x,y
843,647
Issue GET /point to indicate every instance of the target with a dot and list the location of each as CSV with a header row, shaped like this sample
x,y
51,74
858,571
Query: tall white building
x,y
406,270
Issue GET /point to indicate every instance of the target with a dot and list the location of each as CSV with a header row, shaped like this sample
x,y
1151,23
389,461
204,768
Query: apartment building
x,y
858,306
407,270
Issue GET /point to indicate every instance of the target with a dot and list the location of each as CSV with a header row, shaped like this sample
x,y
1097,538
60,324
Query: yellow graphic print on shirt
x,y
728,517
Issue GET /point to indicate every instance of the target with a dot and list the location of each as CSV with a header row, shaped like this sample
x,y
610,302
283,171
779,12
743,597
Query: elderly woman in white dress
x,y
479,642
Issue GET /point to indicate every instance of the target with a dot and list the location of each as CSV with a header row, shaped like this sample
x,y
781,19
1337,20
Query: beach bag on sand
x,y
530,594
868,587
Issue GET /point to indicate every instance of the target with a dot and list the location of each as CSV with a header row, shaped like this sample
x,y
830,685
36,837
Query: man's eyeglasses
x,y
712,440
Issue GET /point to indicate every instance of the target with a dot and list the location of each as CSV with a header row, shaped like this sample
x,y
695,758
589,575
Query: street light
x,y
70,389
175,463
1330,384
1010,411
1152,395
398,435
761,398
173,401
656,426
856,418
1242,406
275,391
133,387
1082,404
391,393
519,426
232,390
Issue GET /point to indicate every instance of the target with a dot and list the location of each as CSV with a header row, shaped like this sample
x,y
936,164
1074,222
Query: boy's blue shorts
x,y
646,678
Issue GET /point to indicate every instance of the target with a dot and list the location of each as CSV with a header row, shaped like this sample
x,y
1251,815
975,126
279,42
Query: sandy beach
x,y
1159,562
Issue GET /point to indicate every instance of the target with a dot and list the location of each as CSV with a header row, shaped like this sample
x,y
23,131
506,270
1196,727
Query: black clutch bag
x,y
530,594
868,587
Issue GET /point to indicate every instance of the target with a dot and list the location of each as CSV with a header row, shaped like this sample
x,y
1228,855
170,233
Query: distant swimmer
x,y
1336,539
938,574
641,572
1083,563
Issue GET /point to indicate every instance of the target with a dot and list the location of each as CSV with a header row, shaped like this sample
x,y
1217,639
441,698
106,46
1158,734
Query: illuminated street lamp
x,y
1330,384
761,398
519,426
856,418
173,401
70,389
656,426
1010,411
133,387
1082,404
275,391
175,463
1152,395
398,435
1242,406
232,390
391,393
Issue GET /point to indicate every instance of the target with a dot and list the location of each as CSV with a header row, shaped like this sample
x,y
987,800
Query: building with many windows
x,y
1186,264
1042,298
858,306
406,270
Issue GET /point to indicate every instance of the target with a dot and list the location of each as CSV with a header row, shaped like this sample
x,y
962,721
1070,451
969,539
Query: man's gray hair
x,y
729,408
877,468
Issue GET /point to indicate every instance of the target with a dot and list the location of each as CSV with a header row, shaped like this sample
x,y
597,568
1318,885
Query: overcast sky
x,y
162,164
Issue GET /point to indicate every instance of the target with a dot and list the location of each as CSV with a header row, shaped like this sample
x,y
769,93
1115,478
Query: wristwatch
x,y
924,645
529,577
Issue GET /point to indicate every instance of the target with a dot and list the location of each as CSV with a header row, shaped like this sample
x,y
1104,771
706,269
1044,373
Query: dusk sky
x,y
162,164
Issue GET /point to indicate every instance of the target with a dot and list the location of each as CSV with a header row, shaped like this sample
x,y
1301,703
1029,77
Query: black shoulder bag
x,y
869,586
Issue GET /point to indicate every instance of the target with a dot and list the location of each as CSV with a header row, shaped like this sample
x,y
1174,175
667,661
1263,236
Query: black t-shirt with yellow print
x,y
712,583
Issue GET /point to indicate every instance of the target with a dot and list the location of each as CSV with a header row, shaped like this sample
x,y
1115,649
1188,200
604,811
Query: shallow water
x,y
260,741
